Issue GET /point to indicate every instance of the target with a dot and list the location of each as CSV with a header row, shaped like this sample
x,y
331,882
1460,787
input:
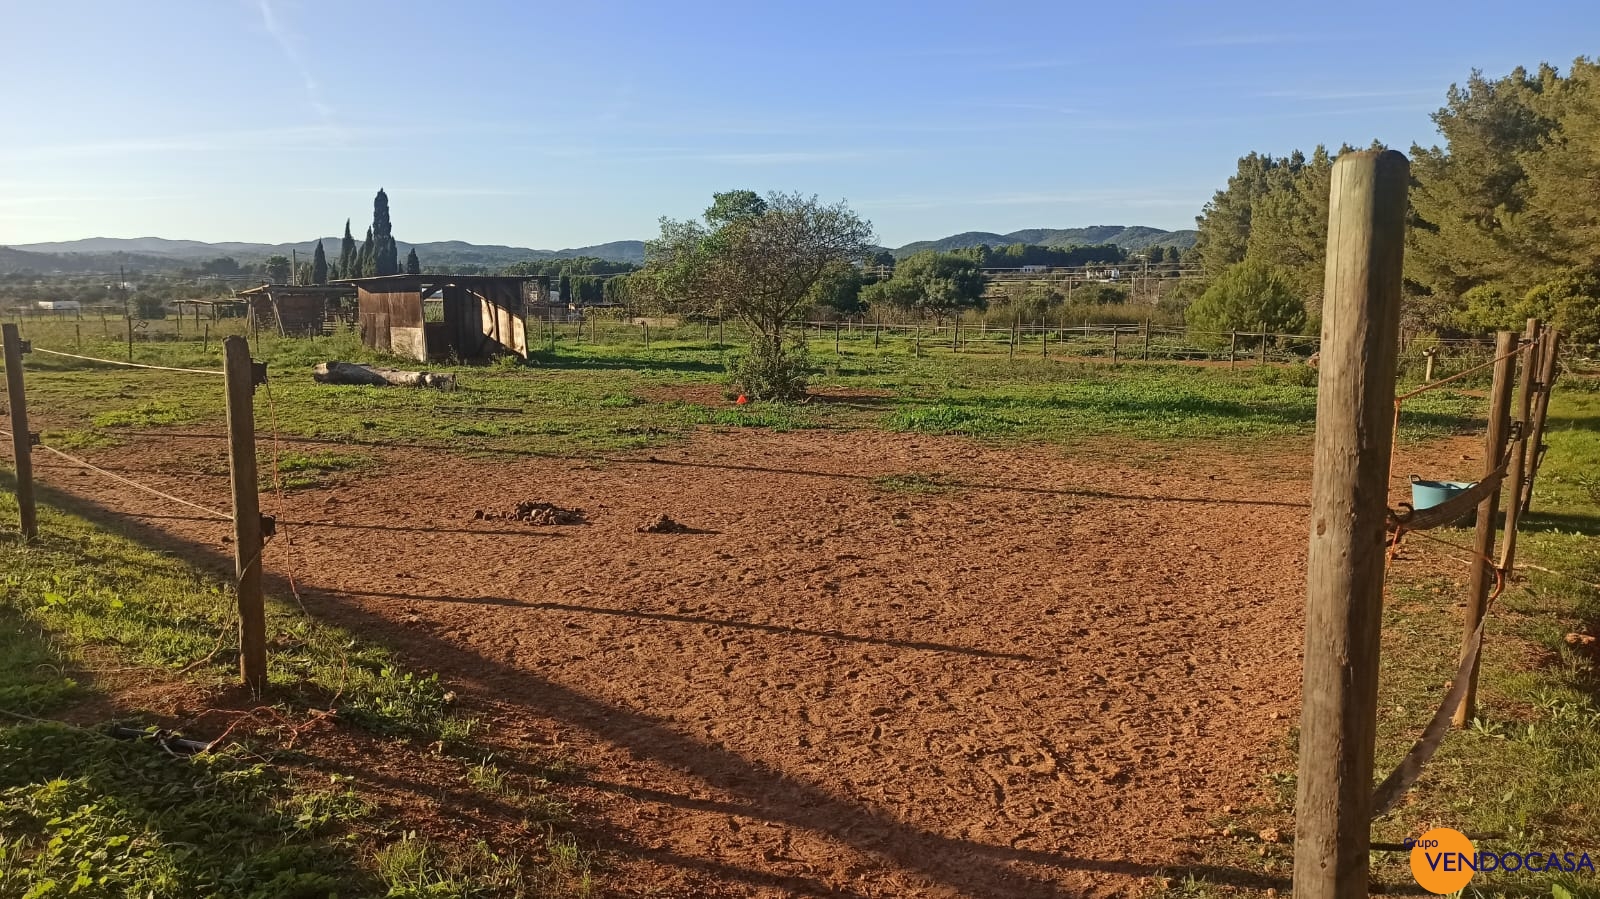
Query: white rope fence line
x,y
192,371
131,483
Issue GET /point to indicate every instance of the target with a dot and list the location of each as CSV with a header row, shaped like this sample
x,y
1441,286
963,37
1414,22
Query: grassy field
x,y
588,398
77,805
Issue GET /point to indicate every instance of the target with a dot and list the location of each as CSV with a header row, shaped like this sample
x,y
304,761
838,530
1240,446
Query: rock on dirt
x,y
661,524
533,513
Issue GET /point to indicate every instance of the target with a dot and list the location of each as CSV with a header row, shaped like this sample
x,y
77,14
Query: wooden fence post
x,y
1516,472
241,377
1541,407
1233,348
1349,506
1494,448
1013,351
1263,344
836,351
21,438
1430,354
1116,343
1147,340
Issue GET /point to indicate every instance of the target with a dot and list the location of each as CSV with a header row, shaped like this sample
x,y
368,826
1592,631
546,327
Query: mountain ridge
x,y
158,252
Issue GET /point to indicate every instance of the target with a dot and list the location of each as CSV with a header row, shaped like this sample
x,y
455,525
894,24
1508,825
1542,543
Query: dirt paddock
x,y
1042,676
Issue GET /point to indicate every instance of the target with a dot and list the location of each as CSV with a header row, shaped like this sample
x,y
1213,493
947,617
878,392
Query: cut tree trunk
x,y
352,373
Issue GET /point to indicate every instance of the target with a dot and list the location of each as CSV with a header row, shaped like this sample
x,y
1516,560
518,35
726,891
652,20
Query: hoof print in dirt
x,y
661,524
533,513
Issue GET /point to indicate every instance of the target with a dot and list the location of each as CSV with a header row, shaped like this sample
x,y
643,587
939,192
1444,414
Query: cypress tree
x,y
366,260
319,265
347,254
386,255
413,266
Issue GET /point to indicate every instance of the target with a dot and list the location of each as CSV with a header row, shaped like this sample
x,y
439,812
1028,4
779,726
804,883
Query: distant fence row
x,y
1422,355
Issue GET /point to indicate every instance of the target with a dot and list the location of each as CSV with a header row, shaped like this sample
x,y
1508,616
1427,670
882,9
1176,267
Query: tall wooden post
x,y
1430,354
21,438
1147,340
247,542
1116,343
1012,353
1541,407
1263,344
1494,447
836,351
1233,348
1516,472
1349,503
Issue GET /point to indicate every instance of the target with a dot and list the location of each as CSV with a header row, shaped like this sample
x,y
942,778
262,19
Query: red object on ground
x,y
742,399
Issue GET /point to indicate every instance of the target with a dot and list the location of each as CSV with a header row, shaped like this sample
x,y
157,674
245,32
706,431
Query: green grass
x,y
587,399
1528,768
300,471
84,814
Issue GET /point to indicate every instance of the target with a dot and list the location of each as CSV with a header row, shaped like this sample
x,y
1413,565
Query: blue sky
x,y
552,126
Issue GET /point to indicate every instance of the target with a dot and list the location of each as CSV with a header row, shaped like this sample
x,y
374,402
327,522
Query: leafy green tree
x,y
278,268
1569,302
319,265
564,288
759,258
1246,296
936,283
348,266
839,291
413,264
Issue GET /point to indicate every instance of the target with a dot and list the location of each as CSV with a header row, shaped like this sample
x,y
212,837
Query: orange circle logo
x,y
1443,860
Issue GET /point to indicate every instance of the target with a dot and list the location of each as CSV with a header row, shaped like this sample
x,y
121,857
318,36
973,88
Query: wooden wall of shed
x,y
392,322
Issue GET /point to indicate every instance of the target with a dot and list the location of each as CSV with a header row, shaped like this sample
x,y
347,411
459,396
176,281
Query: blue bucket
x,y
1427,494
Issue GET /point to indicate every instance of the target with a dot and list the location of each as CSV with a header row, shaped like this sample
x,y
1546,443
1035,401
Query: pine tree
x,y
413,265
386,255
319,265
347,255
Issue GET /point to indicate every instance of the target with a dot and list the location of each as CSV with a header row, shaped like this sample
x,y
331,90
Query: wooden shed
x,y
427,317
295,310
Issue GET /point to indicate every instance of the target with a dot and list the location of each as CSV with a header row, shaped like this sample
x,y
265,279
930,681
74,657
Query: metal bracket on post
x,y
26,346
33,438
269,526
258,373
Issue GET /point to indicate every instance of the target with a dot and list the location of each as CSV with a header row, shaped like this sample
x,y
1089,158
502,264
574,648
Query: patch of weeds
x,y
145,415
299,471
949,418
777,416
414,867
33,676
86,814
619,401
78,439
911,483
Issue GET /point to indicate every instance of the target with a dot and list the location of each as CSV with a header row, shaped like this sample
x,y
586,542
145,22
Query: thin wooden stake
x,y
1349,505
247,543
1541,407
1116,344
21,438
1147,340
1233,348
1483,575
1263,344
1516,472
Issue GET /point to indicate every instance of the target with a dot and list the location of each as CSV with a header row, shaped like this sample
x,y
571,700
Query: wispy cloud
x,y
1252,39
1347,94
1134,198
286,42
404,190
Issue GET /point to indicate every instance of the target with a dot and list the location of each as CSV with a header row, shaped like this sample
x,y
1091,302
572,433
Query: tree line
x,y
375,256
1505,217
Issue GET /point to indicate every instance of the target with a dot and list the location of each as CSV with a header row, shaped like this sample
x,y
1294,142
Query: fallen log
x,y
353,373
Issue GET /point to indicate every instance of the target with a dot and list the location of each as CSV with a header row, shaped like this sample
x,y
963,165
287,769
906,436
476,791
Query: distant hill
x,y
106,253
1136,237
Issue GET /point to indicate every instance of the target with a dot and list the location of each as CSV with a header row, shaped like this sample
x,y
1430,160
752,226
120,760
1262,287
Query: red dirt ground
x,y
1043,682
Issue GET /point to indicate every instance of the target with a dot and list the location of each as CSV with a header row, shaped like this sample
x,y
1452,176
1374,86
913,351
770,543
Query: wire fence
x,y
1467,360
